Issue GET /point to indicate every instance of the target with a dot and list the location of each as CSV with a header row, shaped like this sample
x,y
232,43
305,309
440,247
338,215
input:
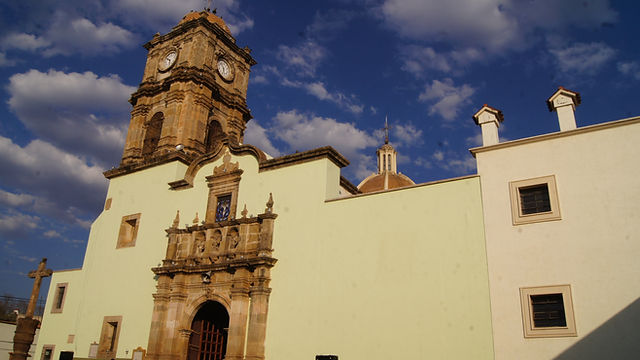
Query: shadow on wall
x,y
615,339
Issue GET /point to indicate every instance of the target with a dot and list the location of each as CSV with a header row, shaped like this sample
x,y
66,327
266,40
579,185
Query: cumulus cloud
x,y
448,98
408,134
630,68
491,25
420,59
303,58
77,112
160,14
458,164
17,223
67,36
583,58
257,135
45,175
319,91
307,131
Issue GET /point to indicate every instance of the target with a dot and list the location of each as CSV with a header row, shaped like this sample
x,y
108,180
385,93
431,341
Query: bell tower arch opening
x,y
214,135
152,134
208,339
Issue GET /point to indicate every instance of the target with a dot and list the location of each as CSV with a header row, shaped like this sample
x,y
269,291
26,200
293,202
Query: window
x,y
47,352
152,134
223,208
534,200
547,311
128,231
108,346
60,295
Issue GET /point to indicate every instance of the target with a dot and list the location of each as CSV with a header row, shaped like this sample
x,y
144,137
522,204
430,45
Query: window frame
x,y
516,206
530,330
123,240
108,348
45,348
54,308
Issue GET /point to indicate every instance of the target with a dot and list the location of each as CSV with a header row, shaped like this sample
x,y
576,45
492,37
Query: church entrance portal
x,y
208,340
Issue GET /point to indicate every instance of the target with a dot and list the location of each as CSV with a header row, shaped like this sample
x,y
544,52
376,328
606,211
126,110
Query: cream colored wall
x,y
595,247
400,274
56,327
373,277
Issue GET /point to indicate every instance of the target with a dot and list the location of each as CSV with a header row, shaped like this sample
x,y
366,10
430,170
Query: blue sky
x,y
328,72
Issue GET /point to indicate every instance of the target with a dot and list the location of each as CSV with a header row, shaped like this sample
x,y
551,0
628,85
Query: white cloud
x,y
460,21
585,58
67,35
420,59
449,98
630,68
450,161
45,175
304,132
257,135
408,134
318,90
17,222
51,234
82,113
25,42
4,61
304,58
492,25
166,13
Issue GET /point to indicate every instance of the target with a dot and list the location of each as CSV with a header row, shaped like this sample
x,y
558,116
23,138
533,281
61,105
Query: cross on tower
x,y
386,130
38,274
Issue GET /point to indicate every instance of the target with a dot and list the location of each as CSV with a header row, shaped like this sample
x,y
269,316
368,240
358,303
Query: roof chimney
x,y
489,120
564,102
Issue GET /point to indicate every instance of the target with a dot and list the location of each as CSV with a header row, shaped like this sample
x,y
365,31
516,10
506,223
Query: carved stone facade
x,y
225,261
192,95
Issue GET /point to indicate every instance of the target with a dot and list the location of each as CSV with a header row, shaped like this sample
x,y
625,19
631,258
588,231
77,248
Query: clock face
x,y
168,60
225,69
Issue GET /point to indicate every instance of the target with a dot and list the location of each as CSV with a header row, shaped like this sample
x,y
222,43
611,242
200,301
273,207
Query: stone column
x,y
258,323
238,316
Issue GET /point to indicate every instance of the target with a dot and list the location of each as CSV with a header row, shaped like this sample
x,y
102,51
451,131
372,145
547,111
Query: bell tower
x,y
192,95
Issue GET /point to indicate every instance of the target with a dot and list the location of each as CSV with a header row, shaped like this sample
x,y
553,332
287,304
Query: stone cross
x,y
38,274
26,326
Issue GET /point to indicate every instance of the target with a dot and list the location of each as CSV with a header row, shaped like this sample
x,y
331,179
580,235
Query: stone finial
x,y
244,212
227,166
489,119
564,102
176,220
269,208
196,220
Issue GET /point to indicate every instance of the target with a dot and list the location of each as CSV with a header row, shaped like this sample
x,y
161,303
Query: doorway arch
x,y
209,332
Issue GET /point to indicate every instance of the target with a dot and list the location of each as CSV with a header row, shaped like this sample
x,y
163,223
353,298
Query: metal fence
x,y
10,304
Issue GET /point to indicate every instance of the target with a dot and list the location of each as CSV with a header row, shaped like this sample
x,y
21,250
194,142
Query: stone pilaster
x,y
238,316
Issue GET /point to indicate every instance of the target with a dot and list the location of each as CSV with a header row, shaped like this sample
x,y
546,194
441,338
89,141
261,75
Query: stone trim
x,y
108,346
305,156
48,347
214,28
516,207
128,233
54,308
556,135
147,163
403,188
352,189
530,331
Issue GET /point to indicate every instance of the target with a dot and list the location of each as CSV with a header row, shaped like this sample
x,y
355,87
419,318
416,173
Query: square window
x,y
534,200
547,311
60,296
223,208
128,231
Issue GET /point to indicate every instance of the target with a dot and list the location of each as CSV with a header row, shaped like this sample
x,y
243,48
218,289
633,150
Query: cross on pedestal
x,y
26,326
38,274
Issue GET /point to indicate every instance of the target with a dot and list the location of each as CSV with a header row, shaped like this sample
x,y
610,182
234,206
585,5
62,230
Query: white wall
x,y
595,247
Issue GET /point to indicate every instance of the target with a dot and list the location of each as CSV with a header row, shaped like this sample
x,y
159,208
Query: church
x,y
208,248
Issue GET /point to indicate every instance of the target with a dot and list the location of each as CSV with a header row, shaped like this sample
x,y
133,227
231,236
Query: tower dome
x,y
387,176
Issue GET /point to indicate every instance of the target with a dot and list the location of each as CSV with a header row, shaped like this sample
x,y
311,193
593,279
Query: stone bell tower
x,y
192,95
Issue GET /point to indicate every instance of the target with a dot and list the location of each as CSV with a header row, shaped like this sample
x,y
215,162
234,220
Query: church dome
x,y
212,17
376,182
